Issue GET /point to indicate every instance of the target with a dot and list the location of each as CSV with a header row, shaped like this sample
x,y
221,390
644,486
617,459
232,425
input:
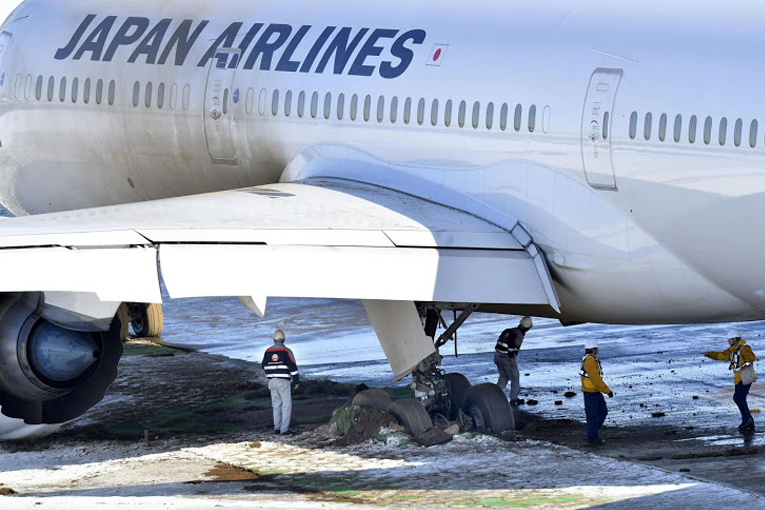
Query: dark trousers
x,y
596,410
739,397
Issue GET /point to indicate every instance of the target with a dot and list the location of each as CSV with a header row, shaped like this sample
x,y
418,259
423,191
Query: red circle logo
x,y
437,55
274,357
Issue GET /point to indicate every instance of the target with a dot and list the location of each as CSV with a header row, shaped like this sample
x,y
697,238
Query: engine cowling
x,y
50,373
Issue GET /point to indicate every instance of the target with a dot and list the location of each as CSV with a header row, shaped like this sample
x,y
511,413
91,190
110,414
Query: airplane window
x,y
262,97
288,103
606,120
421,112
708,130
380,108
434,113
301,104
461,114
225,101
692,130
275,103
327,105
17,90
51,87
249,101
476,114
367,108
753,134
408,110
448,113
546,116
161,96
62,90
354,106
737,132
340,106
489,115
503,117
186,97
314,105
38,90
722,134
173,96
678,127
532,118
136,93
647,126
394,110
75,89
633,125
28,87
517,120
99,91
663,127
86,91
150,90
112,91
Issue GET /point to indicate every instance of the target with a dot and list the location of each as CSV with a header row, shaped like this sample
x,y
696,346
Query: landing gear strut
x,y
450,396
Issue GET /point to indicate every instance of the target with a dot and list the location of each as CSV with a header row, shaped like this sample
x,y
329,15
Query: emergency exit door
x,y
597,119
5,41
219,103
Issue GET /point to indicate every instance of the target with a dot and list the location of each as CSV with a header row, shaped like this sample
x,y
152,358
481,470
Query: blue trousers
x,y
739,397
596,410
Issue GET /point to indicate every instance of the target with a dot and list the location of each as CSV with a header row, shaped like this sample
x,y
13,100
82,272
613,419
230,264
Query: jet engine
x,y
54,366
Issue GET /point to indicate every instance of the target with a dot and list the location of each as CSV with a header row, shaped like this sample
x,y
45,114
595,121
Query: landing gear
x,y
410,413
450,396
372,399
147,319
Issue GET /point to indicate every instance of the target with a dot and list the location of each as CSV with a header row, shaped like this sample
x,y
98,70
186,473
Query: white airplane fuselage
x,y
651,216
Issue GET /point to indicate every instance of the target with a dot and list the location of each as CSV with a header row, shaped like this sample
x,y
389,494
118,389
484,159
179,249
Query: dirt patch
x,y
366,424
228,473
7,491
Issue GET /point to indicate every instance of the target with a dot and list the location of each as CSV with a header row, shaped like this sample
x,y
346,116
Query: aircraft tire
x,y
372,399
123,315
487,404
148,319
458,388
410,413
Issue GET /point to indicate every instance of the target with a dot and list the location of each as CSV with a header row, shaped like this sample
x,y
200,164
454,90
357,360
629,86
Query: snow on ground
x,y
307,471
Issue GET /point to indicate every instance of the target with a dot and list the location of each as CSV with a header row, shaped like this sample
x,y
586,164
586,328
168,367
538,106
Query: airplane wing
x,y
322,237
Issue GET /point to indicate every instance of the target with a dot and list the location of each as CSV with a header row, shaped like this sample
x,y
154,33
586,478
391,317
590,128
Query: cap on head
x,y
591,343
526,323
279,336
733,333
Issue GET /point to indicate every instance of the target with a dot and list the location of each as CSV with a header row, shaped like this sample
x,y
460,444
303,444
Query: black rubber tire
x,y
372,399
489,408
148,319
123,316
458,388
410,413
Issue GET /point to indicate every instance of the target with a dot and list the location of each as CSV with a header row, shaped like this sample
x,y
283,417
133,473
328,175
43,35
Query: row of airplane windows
x,y
65,90
365,107
707,132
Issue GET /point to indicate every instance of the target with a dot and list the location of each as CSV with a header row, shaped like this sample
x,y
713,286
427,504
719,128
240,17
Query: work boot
x,y
288,433
277,431
597,442
749,425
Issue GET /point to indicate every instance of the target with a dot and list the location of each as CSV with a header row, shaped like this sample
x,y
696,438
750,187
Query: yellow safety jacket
x,y
739,354
591,375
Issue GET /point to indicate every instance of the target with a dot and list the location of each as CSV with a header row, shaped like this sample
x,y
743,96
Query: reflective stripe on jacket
x,y
590,374
738,354
509,342
279,362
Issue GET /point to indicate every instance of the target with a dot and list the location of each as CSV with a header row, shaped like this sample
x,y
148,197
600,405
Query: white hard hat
x,y
526,322
278,335
591,343
733,333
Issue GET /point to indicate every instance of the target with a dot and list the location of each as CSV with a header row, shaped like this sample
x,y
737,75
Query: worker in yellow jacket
x,y
593,389
740,356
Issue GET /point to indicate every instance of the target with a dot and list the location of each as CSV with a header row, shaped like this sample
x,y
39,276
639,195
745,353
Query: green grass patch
x,y
530,500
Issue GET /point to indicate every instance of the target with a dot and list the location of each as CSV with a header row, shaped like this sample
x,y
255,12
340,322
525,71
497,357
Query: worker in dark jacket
x,y
281,371
593,388
741,356
505,354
